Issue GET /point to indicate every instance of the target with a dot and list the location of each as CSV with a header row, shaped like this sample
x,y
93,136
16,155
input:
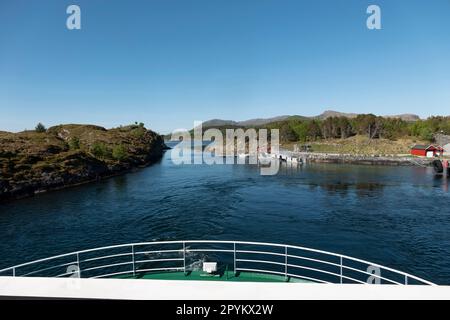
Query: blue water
x,y
395,216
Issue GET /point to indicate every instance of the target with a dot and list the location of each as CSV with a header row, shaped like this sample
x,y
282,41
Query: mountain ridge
x,y
409,117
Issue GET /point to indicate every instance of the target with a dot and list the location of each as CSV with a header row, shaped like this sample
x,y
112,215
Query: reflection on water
x,y
442,181
120,183
361,189
396,216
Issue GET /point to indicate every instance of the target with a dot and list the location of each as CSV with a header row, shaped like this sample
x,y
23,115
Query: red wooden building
x,y
427,151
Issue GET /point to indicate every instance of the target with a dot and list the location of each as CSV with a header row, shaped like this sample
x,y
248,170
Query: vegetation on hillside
x,y
358,134
359,145
302,129
43,159
369,125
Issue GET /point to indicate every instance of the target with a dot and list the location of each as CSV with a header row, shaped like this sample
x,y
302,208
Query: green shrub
x,y
40,128
138,132
74,143
120,152
100,150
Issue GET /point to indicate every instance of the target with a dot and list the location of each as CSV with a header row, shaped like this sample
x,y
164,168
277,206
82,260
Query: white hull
x,y
206,290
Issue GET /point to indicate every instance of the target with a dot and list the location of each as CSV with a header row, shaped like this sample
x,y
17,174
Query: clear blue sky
x,y
170,62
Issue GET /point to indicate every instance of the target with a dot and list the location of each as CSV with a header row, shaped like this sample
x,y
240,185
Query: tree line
x,y
374,127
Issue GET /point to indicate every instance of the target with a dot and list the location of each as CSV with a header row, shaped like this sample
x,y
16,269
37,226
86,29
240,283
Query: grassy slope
x,y
362,145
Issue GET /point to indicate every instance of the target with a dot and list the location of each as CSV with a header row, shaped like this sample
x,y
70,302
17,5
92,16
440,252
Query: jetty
x,y
301,157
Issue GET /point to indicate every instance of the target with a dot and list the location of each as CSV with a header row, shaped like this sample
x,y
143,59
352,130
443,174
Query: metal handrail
x,y
235,252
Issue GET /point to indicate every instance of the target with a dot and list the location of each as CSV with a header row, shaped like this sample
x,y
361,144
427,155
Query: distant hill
x,y
331,113
246,123
340,126
406,117
219,123
326,114
261,121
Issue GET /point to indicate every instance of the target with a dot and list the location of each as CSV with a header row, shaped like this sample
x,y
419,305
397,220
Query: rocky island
x,y
47,159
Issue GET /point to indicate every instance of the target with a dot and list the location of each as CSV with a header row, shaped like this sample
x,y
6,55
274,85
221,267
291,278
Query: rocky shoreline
x,y
392,160
69,155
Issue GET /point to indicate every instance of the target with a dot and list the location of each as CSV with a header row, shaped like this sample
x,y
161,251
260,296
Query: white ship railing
x,y
164,256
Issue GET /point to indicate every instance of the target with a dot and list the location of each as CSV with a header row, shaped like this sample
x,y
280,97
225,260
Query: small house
x,y
429,151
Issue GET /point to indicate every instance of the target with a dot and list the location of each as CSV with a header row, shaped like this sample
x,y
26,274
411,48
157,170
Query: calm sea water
x,y
395,216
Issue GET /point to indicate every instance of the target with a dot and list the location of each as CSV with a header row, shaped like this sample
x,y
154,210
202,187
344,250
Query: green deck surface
x,y
226,276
